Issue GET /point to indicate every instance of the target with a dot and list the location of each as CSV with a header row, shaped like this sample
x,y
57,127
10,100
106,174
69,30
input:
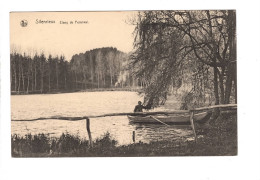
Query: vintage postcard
x,y
123,83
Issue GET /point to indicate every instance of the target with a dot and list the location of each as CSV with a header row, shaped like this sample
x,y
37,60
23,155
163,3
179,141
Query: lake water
x,y
85,104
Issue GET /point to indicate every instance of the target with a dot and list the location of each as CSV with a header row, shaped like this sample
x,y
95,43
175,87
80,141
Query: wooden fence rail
x,y
104,115
131,113
215,106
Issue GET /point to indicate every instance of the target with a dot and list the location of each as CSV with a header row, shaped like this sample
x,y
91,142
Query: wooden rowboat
x,y
169,119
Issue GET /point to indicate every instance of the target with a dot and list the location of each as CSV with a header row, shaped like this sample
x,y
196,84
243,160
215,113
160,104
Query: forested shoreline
x,y
94,69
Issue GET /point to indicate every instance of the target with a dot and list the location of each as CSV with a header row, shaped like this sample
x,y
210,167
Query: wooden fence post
x,y
134,136
88,130
192,124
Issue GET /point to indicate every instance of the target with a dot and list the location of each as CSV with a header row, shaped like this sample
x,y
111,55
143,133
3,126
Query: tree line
x,y
97,68
101,68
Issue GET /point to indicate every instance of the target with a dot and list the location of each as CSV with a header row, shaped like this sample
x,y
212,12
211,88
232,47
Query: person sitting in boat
x,y
140,107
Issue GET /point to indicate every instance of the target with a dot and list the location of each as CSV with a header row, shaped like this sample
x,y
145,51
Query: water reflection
x,y
158,132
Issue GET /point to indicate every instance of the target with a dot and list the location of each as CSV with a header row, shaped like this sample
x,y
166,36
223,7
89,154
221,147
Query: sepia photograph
x,y
129,90
123,83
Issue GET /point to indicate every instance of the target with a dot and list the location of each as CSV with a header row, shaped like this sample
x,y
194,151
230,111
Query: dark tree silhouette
x,y
173,46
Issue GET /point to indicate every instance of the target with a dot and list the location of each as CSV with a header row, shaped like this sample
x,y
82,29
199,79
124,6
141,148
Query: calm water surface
x,y
84,104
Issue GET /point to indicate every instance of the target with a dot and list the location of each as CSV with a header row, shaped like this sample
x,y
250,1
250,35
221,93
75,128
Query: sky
x,y
99,29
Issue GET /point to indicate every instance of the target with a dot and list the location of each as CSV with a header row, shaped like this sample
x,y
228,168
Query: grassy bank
x,y
219,137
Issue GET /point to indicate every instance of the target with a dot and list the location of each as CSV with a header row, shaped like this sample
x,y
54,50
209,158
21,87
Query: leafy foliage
x,y
156,60
196,48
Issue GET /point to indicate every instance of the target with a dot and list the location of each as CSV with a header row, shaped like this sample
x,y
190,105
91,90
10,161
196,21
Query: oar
x,y
159,121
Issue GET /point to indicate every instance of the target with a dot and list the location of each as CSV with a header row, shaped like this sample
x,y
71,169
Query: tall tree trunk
x,y
28,84
49,78
41,71
85,79
15,81
65,82
98,78
23,78
216,86
76,80
228,86
19,76
32,79
57,76
232,57
11,73
28,75
104,81
15,78
41,82
35,78
28,80
92,78
235,86
111,77
221,85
